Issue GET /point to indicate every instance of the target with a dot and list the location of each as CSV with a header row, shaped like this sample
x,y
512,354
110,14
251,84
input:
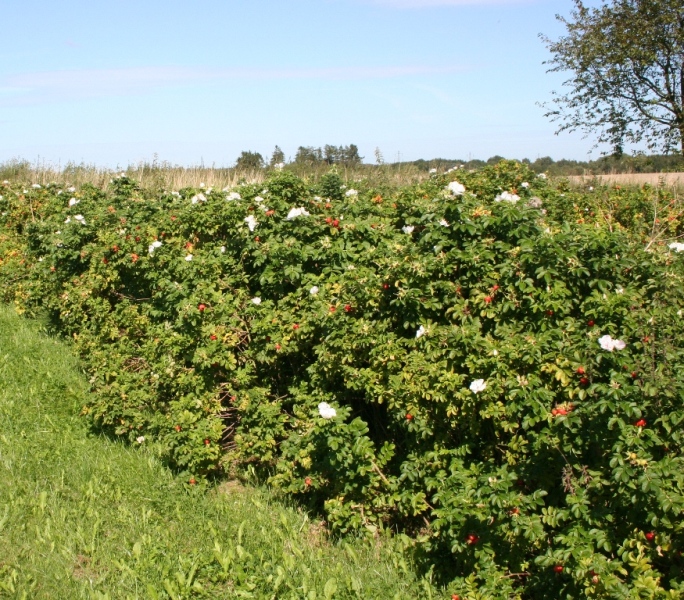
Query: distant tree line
x,y
348,156
655,163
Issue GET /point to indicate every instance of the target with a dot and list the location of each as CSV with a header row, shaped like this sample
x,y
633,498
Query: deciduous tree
x,y
249,161
626,60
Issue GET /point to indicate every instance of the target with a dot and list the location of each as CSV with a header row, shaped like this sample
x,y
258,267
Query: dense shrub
x,y
506,375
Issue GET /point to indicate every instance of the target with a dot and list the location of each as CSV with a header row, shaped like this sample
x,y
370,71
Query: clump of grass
x,y
82,516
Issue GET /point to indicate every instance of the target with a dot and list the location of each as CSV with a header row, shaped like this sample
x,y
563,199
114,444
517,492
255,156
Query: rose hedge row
x,y
559,475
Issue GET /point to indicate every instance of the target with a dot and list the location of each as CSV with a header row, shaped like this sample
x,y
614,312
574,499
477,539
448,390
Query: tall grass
x,y
82,516
668,180
164,175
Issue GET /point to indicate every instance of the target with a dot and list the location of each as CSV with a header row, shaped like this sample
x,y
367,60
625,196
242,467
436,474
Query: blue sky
x,y
112,83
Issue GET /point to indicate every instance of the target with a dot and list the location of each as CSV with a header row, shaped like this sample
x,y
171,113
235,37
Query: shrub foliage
x,y
216,323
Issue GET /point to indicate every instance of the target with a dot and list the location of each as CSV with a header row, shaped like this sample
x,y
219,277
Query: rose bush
x,y
460,334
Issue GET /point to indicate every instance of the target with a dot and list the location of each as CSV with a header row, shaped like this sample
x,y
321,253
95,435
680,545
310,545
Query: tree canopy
x,y
249,161
626,60
277,158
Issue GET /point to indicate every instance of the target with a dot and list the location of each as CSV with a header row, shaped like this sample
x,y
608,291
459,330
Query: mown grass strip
x,y
84,517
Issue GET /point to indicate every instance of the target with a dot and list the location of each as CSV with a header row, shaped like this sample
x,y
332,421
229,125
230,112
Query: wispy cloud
x,y
30,88
439,3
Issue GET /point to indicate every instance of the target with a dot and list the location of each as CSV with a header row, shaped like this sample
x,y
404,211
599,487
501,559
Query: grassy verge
x,y
84,517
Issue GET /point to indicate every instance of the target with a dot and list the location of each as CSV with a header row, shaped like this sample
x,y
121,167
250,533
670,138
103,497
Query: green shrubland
x,y
486,362
83,516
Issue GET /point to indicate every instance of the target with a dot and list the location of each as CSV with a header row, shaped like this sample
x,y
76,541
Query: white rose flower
x,y
297,212
444,223
507,197
73,202
251,222
326,411
198,198
421,332
80,219
477,386
36,186
223,249
140,439
525,184
233,196
153,246
314,290
408,228
256,301
676,246
456,188
608,343
349,193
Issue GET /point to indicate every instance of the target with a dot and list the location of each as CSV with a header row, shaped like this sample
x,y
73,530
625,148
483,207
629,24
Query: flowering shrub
x,y
461,361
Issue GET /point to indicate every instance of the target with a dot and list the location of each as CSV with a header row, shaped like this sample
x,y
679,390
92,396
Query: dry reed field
x,y
640,179
173,177
164,175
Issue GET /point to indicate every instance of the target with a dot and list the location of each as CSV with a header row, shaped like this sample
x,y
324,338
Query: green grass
x,y
84,517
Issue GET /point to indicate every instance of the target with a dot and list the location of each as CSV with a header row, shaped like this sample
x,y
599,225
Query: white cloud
x,y
438,3
48,86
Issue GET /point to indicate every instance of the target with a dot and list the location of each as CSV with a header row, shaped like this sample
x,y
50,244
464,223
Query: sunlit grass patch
x,y
84,517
